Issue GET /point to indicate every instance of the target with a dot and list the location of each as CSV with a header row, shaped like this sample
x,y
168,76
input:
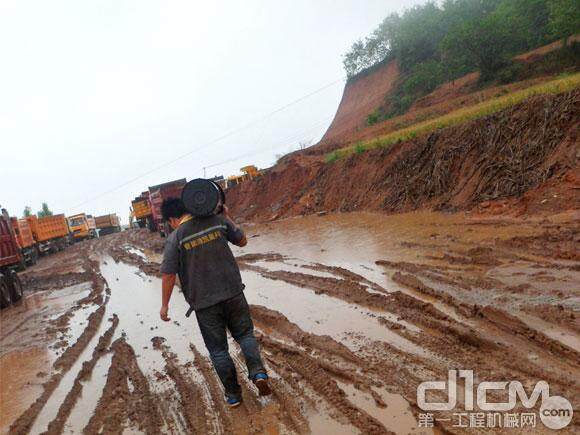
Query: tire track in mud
x,y
64,363
251,417
194,409
456,336
318,360
57,425
304,362
279,324
99,291
347,275
229,424
316,374
489,316
514,335
405,307
121,403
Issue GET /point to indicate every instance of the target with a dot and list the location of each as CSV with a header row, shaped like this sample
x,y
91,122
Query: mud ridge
x,y
23,423
119,404
317,377
194,408
57,425
229,424
280,324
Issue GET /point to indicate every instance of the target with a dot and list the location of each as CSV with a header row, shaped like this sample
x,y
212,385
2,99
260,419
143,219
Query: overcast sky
x,y
94,94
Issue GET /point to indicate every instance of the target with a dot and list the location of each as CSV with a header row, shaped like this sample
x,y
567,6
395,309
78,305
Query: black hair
x,y
172,208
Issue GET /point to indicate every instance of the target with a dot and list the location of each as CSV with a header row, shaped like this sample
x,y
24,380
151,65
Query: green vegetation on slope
x,y
460,116
436,43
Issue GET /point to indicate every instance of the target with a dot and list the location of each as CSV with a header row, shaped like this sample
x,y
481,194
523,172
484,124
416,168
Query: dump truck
x,y
25,240
251,171
108,224
52,233
10,260
92,225
82,227
159,193
141,209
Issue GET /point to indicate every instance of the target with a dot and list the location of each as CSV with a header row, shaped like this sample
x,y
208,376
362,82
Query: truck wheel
x,y
4,292
21,264
16,287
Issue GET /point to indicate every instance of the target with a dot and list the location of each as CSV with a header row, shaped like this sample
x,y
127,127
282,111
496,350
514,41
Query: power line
x,y
254,152
220,138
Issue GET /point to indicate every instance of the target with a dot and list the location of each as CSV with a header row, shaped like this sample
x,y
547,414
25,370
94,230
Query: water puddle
x,y
21,384
322,315
555,332
92,391
135,251
396,416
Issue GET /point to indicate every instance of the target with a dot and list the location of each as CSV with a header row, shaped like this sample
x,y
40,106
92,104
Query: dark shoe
x,y
233,402
261,383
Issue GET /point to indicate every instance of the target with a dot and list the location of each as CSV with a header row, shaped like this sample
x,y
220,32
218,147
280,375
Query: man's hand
x,y
167,284
163,313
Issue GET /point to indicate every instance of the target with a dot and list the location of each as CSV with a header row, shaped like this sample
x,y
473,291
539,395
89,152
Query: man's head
x,y
172,211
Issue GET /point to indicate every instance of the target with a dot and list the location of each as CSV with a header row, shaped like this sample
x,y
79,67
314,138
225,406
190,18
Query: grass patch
x,y
331,157
487,107
359,148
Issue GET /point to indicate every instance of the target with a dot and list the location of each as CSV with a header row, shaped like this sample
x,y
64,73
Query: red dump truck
x,y
108,224
159,193
51,233
25,239
10,260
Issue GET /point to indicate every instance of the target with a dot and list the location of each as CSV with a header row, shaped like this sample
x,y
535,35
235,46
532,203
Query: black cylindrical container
x,y
203,197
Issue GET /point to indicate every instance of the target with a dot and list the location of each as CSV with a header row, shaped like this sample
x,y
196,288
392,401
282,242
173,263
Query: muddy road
x,y
352,311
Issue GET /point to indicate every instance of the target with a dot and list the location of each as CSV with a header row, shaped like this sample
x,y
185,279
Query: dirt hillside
x,y
361,96
370,91
501,156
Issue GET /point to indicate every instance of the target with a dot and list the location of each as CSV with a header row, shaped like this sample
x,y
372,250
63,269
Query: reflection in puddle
x,y
20,383
396,416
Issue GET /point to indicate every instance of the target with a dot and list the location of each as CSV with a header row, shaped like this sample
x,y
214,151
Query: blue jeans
x,y
234,315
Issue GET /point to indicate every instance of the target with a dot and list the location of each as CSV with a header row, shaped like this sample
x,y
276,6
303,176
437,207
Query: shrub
x,y
374,117
359,148
331,157
510,73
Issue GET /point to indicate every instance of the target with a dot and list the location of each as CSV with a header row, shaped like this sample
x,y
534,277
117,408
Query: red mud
x,y
452,169
435,310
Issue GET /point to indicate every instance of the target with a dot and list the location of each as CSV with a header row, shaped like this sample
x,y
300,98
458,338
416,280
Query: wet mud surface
x,y
352,312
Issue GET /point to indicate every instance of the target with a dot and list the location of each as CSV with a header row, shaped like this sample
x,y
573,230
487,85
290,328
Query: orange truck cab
x,y
82,226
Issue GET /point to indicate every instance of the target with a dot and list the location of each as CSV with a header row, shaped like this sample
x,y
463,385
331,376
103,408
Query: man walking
x,y
198,252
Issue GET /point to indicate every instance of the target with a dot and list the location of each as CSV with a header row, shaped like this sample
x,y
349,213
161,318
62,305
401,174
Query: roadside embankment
x,y
497,157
